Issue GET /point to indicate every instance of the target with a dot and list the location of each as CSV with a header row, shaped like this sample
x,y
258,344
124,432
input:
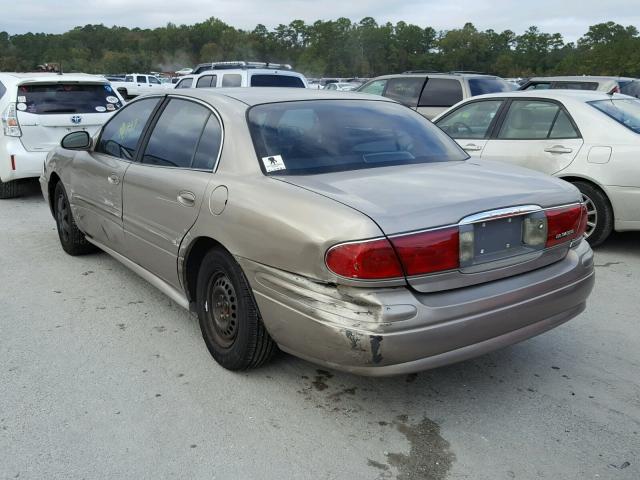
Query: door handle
x,y
558,149
187,199
113,179
472,147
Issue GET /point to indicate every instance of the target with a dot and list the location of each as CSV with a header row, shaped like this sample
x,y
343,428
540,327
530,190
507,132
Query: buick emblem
x,y
76,119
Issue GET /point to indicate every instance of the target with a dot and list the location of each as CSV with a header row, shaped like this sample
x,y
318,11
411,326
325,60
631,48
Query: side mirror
x,y
76,141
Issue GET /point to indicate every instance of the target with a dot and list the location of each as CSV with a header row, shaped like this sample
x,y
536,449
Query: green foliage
x,y
329,48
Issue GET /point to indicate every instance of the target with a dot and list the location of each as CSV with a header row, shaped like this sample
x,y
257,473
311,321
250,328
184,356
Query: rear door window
x,y
209,145
175,136
482,85
471,120
141,79
185,83
206,81
270,80
405,90
232,80
441,92
58,98
376,87
536,120
121,135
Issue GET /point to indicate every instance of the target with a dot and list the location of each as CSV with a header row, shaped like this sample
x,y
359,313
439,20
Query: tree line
x,y
329,48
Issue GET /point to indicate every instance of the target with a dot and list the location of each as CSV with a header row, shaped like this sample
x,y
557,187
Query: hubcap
x,y
592,215
62,209
222,309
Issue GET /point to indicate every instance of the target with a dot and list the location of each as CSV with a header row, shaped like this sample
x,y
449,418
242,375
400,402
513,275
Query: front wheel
x,y
72,239
229,318
599,213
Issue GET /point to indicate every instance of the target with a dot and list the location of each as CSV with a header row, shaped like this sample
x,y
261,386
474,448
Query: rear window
x,y
482,85
441,92
56,98
265,80
628,87
320,136
623,111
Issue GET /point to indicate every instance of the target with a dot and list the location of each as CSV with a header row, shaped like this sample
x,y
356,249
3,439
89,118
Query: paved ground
x,y
102,376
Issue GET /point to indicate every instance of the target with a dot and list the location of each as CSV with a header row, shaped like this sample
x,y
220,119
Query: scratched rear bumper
x,y
389,331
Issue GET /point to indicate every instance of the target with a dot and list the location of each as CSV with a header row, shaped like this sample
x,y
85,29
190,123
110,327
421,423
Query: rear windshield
x,y
56,98
481,85
624,111
264,80
320,136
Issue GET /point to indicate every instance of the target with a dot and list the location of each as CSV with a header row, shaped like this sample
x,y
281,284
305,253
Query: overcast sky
x,y
569,17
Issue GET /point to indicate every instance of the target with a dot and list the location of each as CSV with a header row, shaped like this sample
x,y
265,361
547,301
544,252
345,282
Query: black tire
x,y
72,239
230,321
10,189
600,217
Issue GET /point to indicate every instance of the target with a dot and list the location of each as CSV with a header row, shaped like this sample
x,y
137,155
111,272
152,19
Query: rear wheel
x,y
599,213
229,318
10,189
72,239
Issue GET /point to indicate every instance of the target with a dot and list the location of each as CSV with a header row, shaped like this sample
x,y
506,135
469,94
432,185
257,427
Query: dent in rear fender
x,y
357,314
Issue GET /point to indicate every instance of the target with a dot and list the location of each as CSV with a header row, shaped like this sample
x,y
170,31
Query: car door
x,y
439,94
141,81
96,176
535,133
164,189
470,124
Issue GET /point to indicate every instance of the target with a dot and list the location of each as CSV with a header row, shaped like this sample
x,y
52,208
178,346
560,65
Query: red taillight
x,y
584,218
414,254
428,252
371,260
565,224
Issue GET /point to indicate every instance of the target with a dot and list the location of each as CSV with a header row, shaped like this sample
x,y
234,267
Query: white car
x,y
591,139
139,84
341,86
245,75
38,109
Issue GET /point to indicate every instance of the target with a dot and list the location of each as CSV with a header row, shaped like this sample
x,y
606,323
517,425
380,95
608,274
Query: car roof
x,y
433,74
253,71
578,78
19,77
261,95
559,94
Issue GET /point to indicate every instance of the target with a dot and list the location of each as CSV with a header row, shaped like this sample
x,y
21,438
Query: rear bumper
x,y
396,330
27,164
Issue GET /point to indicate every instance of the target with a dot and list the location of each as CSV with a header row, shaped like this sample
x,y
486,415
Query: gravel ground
x,y
102,376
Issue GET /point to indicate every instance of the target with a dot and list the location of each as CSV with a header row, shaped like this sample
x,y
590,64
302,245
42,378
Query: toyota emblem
x,y
76,119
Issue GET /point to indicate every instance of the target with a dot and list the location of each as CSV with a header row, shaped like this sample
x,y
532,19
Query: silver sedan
x,y
342,228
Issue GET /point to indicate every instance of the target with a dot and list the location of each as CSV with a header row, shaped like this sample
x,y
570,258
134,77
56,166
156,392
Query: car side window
x,y
3,90
539,86
185,83
575,85
206,81
440,92
471,120
209,145
528,120
375,88
232,80
120,135
154,80
175,135
128,78
141,79
405,90
562,127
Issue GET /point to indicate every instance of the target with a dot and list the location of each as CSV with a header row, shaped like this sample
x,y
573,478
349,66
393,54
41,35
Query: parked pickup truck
x,y
138,84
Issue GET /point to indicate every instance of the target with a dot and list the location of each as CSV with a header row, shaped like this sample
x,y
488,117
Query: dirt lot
x,y
102,376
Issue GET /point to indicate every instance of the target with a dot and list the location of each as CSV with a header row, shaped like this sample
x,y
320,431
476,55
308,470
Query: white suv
x,y
37,110
242,74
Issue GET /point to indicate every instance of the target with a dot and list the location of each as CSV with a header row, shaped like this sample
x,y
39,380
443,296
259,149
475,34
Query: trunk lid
x,y
44,132
417,197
